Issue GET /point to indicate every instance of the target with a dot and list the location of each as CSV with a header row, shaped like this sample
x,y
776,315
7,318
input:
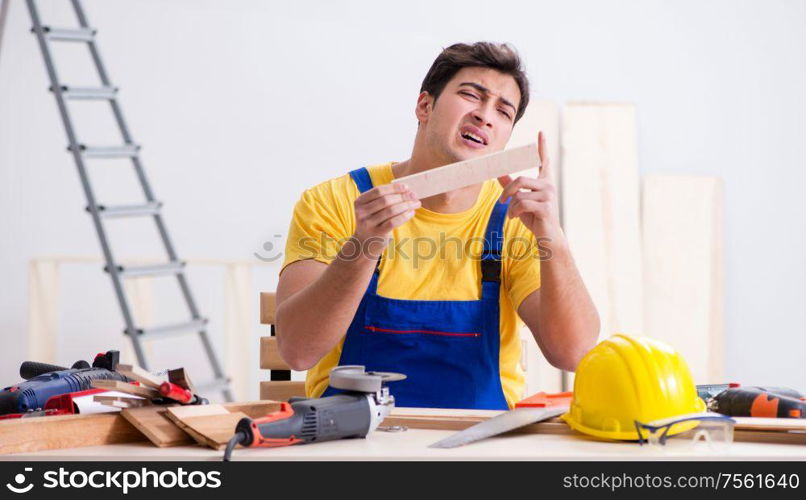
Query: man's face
x,y
473,115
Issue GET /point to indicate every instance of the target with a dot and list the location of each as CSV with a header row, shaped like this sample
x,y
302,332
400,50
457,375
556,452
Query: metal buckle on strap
x,y
491,270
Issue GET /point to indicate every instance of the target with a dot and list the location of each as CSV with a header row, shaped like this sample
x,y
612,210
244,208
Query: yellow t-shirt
x,y
429,259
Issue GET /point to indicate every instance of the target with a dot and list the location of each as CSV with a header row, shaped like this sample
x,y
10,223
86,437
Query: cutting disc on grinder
x,y
355,378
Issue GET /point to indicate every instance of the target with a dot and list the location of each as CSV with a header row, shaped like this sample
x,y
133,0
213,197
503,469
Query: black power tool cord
x,y
237,439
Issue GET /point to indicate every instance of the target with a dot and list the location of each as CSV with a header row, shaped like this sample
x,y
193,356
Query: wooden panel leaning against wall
x,y
280,387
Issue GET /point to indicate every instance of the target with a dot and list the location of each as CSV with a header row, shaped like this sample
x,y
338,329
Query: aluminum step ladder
x,y
151,208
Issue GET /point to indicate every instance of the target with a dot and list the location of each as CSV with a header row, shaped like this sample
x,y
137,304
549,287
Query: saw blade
x,y
513,419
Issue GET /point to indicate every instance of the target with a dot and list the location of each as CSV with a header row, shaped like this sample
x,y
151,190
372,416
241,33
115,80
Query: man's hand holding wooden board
x,y
534,200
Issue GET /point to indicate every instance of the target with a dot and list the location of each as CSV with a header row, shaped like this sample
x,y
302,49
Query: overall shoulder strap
x,y
364,183
362,179
493,244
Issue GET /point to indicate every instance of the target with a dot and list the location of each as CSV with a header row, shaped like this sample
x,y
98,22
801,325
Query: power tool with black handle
x,y
44,381
753,401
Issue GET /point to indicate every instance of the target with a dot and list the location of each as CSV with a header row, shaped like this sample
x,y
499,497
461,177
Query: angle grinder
x,y
354,413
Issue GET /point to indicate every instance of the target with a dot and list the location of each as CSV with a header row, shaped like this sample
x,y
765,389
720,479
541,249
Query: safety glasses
x,y
714,429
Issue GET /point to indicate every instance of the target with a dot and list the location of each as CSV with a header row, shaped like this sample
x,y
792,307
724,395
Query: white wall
x,y
241,105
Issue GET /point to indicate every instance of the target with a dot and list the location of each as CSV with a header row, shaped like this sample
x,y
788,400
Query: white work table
x,y
412,445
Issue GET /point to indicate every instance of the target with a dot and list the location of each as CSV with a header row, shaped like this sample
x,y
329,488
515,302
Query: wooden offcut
x,y
181,377
281,390
65,431
213,431
468,172
214,425
153,423
145,377
270,358
268,306
126,387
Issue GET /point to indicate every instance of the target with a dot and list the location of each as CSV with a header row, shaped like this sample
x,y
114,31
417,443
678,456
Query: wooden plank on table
x,y
405,411
747,429
770,424
181,412
128,426
442,415
163,432
213,431
745,436
153,423
65,431
281,390
683,269
270,358
214,425
600,195
468,172
145,377
268,306
254,409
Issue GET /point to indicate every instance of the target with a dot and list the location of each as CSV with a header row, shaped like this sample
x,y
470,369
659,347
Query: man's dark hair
x,y
498,56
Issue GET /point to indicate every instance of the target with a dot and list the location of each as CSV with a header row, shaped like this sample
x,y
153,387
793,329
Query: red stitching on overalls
x,y
427,332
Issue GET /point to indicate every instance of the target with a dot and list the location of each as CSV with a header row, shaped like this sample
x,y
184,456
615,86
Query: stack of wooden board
x,y
214,425
208,425
149,423
144,391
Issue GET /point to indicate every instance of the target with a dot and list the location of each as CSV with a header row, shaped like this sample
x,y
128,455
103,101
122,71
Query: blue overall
x,y
447,349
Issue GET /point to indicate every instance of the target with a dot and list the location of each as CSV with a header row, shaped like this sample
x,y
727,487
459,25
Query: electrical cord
x,y
237,439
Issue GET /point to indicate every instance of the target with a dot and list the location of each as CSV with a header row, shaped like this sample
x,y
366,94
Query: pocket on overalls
x,y
437,352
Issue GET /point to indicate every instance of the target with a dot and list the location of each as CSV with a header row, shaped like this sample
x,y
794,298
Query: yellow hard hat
x,y
624,379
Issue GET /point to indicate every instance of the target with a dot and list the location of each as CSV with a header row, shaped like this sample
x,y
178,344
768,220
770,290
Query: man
x,y
356,289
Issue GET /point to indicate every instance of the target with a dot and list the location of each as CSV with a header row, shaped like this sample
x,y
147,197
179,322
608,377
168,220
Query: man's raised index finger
x,y
542,152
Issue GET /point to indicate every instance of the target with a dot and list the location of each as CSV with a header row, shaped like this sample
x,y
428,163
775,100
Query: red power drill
x,y
752,401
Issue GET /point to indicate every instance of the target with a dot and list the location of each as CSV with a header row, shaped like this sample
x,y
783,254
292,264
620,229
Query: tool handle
x,y
280,428
31,369
173,391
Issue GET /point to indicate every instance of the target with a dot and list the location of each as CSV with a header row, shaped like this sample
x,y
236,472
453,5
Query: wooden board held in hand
x,y
468,172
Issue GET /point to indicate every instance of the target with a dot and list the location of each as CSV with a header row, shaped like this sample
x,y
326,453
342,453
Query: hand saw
x,y
533,409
